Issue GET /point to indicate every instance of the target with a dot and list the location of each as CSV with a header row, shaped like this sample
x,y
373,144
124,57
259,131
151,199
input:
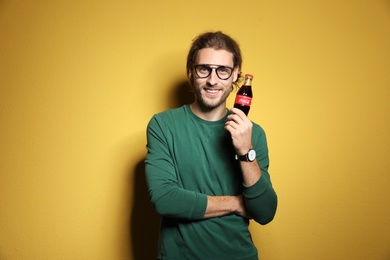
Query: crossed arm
x,y
257,201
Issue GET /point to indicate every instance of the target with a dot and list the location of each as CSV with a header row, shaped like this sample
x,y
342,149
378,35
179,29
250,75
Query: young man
x,y
204,195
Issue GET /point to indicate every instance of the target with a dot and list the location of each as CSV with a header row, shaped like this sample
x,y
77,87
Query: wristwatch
x,y
249,157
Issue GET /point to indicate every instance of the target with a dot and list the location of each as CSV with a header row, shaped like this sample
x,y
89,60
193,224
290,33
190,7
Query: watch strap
x,y
242,157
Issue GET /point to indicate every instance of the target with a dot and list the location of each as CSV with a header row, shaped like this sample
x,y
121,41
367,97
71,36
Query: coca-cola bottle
x,y
244,95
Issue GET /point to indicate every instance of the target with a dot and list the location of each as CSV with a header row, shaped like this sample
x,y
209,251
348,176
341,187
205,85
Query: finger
x,y
231,125
235,118
238,112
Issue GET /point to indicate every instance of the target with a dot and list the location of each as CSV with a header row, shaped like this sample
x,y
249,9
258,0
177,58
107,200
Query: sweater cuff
x,y
257,189
200,206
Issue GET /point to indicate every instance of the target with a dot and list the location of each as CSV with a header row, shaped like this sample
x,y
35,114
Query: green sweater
x,y
189,158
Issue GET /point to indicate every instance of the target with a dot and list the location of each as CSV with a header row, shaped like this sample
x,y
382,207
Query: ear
x,y
189,75
236,71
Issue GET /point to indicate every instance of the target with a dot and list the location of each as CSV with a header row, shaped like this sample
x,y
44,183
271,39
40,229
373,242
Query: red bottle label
x,y
243,100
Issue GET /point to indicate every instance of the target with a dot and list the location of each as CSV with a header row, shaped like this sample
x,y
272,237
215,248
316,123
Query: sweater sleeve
x,y
166,195
261,199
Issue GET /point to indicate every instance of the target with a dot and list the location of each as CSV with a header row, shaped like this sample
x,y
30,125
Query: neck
x,y
214,114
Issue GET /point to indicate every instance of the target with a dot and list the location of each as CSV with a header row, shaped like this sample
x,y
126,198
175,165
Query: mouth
x,y
212,92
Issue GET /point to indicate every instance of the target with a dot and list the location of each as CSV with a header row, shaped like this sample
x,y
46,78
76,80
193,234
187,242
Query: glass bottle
x,y
244,95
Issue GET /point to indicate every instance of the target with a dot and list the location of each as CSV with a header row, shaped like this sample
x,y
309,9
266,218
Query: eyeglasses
x,y
204,70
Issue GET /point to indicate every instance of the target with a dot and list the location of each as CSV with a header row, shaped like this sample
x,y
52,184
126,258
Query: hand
x,y
241,210
240,128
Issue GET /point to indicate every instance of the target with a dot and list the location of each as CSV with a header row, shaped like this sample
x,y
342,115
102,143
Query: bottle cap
x,y
249,76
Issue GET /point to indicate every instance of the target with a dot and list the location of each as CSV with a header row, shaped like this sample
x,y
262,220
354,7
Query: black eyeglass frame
x,y
210,68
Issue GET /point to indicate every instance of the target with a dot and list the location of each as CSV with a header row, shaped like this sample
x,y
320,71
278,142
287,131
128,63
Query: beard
x,y
207,103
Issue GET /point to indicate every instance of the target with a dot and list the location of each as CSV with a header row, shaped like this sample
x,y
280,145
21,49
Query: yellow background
x,y
79,80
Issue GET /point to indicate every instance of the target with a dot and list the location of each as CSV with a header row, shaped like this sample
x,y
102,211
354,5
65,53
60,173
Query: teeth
x,y
212,90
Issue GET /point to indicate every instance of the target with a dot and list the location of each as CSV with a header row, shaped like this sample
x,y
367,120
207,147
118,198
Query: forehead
x,y
213,56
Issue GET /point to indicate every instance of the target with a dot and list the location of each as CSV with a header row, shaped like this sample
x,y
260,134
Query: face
x,y
211,92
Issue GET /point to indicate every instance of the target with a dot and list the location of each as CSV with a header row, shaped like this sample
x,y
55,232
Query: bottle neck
x,y
247,82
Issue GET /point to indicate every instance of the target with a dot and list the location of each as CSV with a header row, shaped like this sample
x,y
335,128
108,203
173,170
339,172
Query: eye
x,y
224,70
203,69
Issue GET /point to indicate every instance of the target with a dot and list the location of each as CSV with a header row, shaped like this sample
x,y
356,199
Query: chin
x,y
209,106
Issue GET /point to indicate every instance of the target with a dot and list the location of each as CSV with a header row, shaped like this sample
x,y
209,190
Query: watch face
x,y
252,155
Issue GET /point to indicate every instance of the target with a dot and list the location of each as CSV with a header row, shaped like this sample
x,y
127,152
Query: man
x,y
203,193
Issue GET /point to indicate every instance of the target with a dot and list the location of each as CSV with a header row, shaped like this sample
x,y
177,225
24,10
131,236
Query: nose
x,y
212,79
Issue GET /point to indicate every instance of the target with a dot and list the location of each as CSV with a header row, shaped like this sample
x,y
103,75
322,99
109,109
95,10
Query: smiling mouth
x,y
212,91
